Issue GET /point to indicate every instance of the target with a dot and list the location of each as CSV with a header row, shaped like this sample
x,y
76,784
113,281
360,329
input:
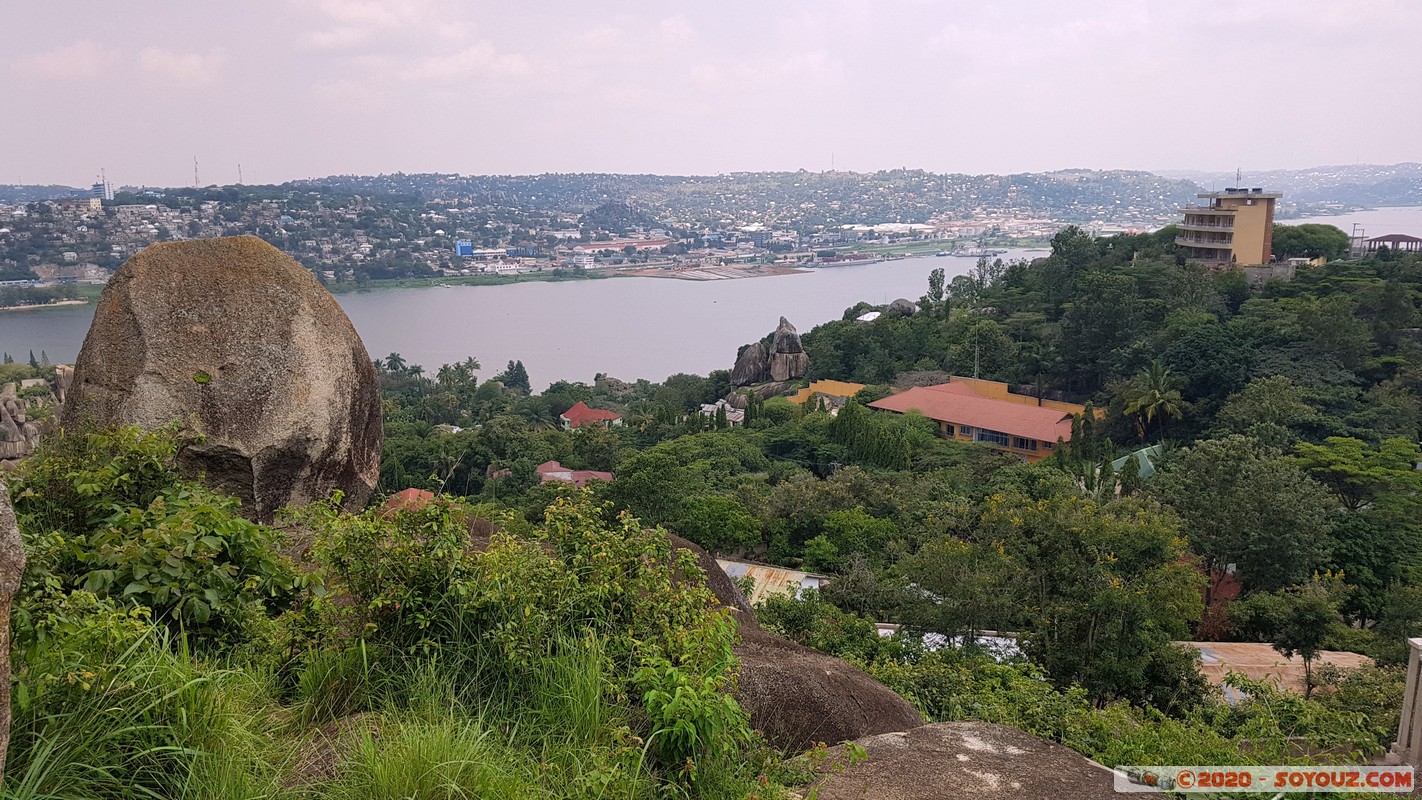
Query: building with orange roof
x,y
971,410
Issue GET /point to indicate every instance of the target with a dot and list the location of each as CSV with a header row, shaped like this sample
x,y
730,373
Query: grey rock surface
x,y
967,760
235,338
788,359
18,435
901,308
752,367
798,696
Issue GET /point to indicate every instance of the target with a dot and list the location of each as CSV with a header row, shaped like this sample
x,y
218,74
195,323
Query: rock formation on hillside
x,y
788,360
966,759
236,338
752,366
795,695
901,308
720,584
18,434
784,360
798,696
12,568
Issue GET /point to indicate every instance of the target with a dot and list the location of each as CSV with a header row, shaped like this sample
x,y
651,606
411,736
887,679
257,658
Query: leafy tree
x,y
1361,475
1248,505
515,377
1299,620
1271,409
1103,590
1213,360
853,531
1310,240
958,588
1378,541
1096,321
717,523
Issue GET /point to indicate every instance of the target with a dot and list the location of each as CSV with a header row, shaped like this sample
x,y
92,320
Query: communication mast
x,y
1358,242
196,183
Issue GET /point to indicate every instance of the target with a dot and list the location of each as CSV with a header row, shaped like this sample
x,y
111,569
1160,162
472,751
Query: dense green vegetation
x,y
165,647
1288,414
525,639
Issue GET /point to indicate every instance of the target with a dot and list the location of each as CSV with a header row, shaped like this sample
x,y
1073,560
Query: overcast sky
x,y
302,88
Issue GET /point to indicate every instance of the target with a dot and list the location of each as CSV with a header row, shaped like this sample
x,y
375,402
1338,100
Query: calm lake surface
x,y
1375,222
627,327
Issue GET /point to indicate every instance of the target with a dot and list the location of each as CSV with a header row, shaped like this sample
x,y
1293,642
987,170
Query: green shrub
x,y
419,588
1270,726
107,513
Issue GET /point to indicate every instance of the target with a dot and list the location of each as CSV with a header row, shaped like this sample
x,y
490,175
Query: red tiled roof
x,y
580,414
408,500
958,404
553,471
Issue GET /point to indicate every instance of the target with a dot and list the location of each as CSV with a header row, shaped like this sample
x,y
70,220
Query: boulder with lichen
x,y
234,338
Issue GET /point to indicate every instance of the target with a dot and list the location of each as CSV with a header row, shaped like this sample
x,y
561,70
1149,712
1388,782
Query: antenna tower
x,y
196,183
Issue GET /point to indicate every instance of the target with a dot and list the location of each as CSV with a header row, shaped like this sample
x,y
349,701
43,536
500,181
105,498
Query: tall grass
x,y
154,722
449,759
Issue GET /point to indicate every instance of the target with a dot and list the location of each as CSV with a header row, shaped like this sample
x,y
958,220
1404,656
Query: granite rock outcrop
x,y
752,366
234,338
788,359
967,760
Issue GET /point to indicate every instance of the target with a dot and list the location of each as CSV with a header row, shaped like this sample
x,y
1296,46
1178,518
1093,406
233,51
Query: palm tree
x,y
1154,392
395,363
1036,358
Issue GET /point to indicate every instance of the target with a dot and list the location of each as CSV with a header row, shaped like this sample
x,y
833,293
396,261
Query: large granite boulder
x,y
798,696
788,359
720,584
967,760
901,308
237,339
752,366
795,695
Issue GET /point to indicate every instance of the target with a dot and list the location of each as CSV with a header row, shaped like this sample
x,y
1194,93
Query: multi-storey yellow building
x,y
1235,228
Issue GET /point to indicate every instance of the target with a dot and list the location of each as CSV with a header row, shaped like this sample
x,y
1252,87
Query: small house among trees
x,y
582,415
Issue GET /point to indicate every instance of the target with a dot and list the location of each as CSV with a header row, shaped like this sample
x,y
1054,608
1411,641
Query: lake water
x,y
1375,222
627,327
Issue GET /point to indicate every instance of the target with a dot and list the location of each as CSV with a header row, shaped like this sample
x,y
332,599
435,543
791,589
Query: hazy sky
x,y
300,88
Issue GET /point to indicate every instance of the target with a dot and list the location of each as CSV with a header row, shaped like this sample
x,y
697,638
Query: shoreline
x,y
41,306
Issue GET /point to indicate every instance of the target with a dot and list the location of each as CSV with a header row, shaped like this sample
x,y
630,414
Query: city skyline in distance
x,y
307,89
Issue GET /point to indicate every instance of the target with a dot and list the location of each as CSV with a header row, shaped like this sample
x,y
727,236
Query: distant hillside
x,y
12,193
1351,186
805,199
